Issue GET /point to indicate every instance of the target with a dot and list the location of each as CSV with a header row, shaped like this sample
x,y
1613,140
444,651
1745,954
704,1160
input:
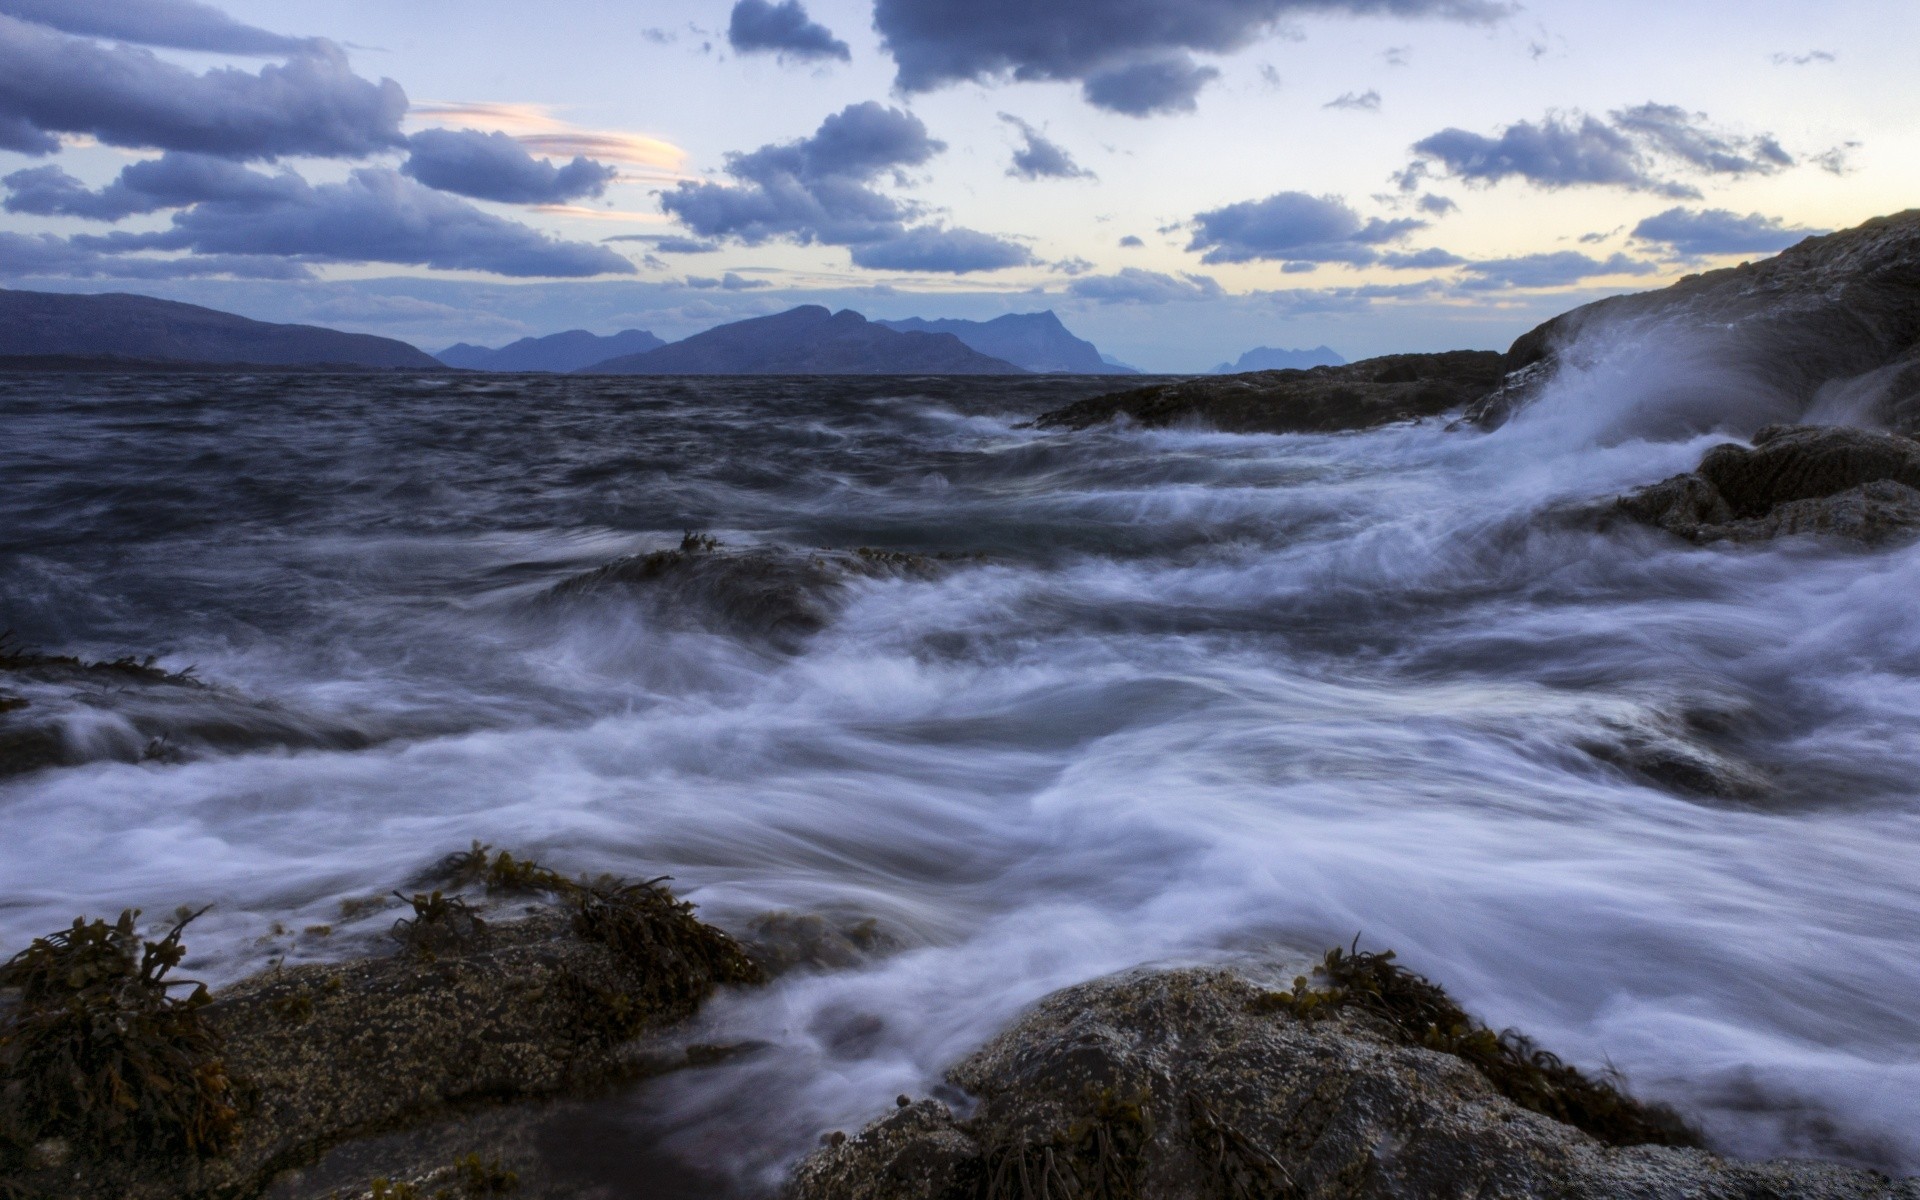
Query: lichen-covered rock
x,y
1850,483
1362,395
1197,1085
1833,309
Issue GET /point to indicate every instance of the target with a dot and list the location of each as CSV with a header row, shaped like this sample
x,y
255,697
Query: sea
x,y
1163,696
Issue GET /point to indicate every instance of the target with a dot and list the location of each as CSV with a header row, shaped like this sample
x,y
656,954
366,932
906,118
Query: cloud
x,y
1130,57
728,282
1784,59
493,166
1718,231
1144,89
535,127
1040,158
125,96
1557,269
667,243
375,215
1367,101
1293,227
822,189
1131,242
1435,205
1635,148
1420,260
1133,285
45,255
178,24
784,28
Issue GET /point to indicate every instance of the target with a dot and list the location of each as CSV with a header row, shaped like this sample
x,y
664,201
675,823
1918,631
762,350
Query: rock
x,y
1362,395
1850,483
57,710
781,595
1829,311
317,1055
1198,1085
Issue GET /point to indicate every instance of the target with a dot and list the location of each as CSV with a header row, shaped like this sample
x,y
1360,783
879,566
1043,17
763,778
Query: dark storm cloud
x,y
1039,157
1129,54
1557,269
1132,285
1145,89
125,96
1293,227
23,137
1718,231
1635,148
179,24
946,251
492,166
375,215
823,189
44,255
785,28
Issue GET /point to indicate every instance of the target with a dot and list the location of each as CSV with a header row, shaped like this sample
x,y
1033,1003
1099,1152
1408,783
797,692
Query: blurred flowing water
x,y
1198,696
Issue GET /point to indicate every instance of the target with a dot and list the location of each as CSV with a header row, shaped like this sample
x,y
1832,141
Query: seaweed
x,y
484,1177
678,957
501,872
1241,1169
440,924
96,1049
1421,1013
16,657
1098,1157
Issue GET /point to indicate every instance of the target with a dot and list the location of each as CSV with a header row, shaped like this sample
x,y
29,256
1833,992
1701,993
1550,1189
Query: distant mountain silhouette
x,y
1036,341
1267,359
810,341
567,351
73,326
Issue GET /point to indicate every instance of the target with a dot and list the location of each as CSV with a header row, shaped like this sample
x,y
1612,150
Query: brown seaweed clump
x,y
1421,1013
97,1051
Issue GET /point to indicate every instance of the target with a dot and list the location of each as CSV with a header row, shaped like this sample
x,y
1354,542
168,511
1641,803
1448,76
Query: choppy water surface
x,y
1201,695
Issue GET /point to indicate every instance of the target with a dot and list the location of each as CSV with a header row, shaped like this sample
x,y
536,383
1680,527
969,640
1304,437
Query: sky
x,y
1181,180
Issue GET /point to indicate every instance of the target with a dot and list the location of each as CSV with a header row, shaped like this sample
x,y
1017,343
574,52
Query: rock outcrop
x,y
1362,395
119,1089
1835,312
1207,1085
1850,483
57,710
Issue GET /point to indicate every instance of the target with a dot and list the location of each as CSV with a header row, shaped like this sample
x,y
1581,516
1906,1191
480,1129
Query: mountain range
x,y
1265,358
114,325
811,340
561,352
1036,341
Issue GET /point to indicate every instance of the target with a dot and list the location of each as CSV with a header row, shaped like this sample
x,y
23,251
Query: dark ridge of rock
x,y
1362,395
56,710
315,1056
784,596
1205,1085
1832,310
560,352
91,326
1851,483
809,340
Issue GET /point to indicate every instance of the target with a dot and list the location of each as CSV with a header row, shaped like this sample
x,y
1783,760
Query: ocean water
x,y
1177,697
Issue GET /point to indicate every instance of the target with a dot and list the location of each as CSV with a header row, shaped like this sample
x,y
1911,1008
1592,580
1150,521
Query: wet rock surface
x,y
1191,1084
1849,483
1839,311
56,710
780,595
564,1001
1362,395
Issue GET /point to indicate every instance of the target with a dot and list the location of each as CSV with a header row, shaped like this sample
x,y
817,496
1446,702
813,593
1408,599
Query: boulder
x,y
1856,484
1836,312
1210,1085
1362,395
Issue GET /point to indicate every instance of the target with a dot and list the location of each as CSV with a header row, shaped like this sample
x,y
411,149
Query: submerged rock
x,y
1850,483
1362,395
770,592
1835,312
1206,1085
57,710
292,1062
